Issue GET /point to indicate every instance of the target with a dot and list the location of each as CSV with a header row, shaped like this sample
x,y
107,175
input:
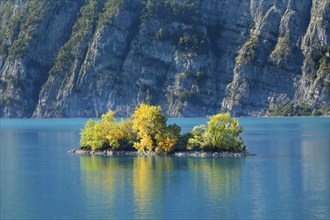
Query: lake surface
x,y
289,179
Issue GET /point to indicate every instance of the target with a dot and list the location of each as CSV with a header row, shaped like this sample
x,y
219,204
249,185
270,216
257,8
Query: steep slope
x,y
31,33
89,65
314,86
277,63
194,58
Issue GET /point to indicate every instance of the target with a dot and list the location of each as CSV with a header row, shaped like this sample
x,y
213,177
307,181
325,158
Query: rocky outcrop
x,y
194,58
152,153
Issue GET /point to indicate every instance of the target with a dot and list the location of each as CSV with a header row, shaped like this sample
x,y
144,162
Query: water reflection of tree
x,y
105,183
219,178
148,178
111,179
219,175
137,184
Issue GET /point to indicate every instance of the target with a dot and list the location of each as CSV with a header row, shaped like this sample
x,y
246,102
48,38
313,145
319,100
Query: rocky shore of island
x,y
152,153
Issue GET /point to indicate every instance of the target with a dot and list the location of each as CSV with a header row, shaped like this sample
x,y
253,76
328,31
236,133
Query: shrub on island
x,y
146,130
222,133
107,133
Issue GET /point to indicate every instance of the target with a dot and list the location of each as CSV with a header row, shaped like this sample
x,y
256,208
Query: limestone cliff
x,y
31,34
80,58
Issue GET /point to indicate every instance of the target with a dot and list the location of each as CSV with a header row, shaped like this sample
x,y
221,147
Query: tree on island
x,y
146,129
149,125
221,133
107,133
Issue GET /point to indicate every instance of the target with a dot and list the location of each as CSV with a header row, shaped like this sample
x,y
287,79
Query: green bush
x,y
247,54
222,133
291,109
21,27
107,133
17,49
320,58
193,42
170,10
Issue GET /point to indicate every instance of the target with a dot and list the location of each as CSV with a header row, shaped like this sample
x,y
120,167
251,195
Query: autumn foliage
x,y
146,130
221,133
107,133
149,124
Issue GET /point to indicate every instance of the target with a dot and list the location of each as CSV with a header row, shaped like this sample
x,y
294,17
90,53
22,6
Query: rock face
x,y
66,58
31,33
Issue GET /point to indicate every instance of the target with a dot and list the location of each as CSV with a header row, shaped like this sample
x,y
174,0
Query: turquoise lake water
x,y
288,179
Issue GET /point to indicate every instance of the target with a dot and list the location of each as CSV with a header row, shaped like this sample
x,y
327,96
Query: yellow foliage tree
x,y
109,117
151,130
168,138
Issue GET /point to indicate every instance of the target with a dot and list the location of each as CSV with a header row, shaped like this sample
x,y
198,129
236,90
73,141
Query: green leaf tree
x,y
222,133
196,141
94,135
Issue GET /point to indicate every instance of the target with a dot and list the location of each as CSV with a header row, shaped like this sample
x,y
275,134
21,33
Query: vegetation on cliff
x,y
146,130
27,19
289,109
92,16
75,58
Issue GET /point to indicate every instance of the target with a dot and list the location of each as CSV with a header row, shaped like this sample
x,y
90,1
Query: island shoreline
x,y
152,153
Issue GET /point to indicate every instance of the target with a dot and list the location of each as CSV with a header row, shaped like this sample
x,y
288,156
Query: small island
x,y
146,133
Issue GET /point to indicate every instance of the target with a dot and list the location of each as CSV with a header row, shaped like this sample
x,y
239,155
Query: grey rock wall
x,y
22,77
194,58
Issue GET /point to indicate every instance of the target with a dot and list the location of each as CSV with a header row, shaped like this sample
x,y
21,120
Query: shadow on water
x,y
157,187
